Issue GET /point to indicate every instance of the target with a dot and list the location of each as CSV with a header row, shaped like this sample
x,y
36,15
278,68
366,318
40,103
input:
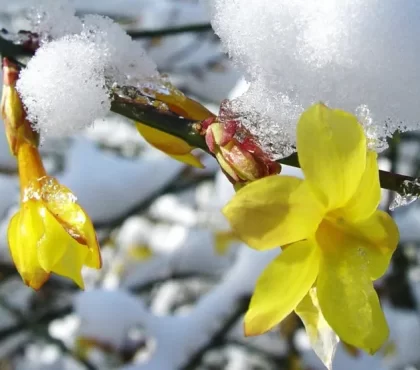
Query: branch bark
x,y
184,128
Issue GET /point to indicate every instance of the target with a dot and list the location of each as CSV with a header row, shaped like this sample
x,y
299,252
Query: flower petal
x,y
331,147
274,211
61,203
59,252
169,144
223,240
25,229
323,339
184,106
345,291
380,233
281,286
189,159
93,259
71,264
368,195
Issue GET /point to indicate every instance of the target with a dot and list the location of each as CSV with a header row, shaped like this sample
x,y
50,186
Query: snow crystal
x,y
351,54
53,19
408,195
63,86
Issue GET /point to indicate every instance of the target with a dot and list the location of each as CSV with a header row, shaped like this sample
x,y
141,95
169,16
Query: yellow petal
x,y
25,230
223,240
93,259
61,203
71,264
58,252
281,286
331,147
184,106
169,144
323,339
274,211
368,195
380,236
163,141
345,291
189,159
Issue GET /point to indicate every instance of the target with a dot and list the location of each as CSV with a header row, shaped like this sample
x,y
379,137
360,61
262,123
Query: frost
x,y
409,194
53,19
350,54
63,86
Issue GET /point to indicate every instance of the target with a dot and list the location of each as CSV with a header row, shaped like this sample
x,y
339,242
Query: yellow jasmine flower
x,y
50,232
333,236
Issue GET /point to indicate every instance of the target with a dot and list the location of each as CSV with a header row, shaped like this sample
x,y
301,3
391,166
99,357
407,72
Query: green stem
x,y
186,129
161,120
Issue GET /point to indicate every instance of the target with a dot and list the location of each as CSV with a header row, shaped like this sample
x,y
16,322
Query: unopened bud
x,y
242,161
17,127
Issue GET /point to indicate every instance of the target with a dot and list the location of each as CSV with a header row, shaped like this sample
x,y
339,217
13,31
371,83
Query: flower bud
x,y
50,232
242,161
16,125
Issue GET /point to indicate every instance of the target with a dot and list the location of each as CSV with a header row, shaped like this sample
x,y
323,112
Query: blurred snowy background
x,y
175,285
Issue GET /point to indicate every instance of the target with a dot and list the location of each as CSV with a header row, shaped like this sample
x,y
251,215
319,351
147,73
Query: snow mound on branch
x,y
361,56
65,86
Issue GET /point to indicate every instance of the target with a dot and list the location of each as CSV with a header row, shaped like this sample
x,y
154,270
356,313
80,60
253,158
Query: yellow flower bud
x,y
50,232
16,126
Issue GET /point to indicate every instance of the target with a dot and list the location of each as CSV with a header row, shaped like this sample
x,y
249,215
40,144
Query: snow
x,y
354,55
125,61
177,337
53,18
65,86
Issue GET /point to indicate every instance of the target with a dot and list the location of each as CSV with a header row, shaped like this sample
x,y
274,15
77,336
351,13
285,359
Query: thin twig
x,y
171,31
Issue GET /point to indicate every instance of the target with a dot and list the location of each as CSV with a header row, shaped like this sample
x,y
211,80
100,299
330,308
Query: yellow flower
x,y
50,232
336,240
